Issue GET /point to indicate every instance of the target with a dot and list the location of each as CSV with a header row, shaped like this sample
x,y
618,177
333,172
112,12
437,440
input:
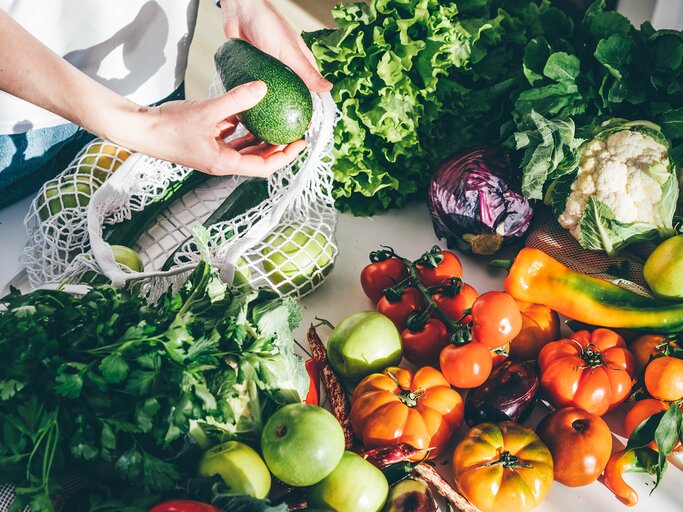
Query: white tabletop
x,y
410,233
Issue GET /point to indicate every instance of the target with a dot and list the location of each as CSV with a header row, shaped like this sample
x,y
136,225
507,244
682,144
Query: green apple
x,y
242,275
302,444
127,257
296,255
59,195
664,268
363,343
355,485
242,469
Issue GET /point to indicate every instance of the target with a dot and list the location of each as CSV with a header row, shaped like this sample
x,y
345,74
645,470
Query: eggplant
x,y
509,394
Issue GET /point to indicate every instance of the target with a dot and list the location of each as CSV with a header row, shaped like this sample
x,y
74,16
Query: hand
x,y
191,133
258,22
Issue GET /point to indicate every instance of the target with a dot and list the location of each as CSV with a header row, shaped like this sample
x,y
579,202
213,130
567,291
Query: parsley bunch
x,y
105,380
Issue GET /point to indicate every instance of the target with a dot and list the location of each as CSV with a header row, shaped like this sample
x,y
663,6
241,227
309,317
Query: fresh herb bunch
x,y
105,380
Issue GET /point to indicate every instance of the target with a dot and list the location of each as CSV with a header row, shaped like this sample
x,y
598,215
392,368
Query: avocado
x,y
284,114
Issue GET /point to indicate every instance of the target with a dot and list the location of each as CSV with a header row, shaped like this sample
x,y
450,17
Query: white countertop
x,y
410,233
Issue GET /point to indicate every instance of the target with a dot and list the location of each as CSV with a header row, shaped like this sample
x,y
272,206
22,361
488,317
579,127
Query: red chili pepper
x,y
341,407
393,454
184,506
313,370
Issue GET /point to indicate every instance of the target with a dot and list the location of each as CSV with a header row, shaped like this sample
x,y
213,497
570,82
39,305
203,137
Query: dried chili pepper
x,y
341,407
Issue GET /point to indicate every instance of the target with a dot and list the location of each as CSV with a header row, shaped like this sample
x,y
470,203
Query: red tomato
x,y
496,319
438,265
399,311
184,506
580,443
466,366
379,275
590,370
454,306
424,346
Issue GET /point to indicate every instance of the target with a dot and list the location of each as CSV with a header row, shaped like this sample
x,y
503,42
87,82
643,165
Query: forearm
x,y
31,71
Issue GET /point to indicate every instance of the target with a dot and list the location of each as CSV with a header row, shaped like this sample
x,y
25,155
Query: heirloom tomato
x,y
438,265
399,306
580,442
423,346
397,406
503,467
496,319
466,366
381,274
590,370
540,325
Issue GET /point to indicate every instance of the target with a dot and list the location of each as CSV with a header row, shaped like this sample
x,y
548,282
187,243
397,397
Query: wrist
x,y
126,124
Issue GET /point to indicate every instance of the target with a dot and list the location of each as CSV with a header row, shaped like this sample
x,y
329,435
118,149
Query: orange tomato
x,y
664,378
397,406
503,467
466,366
580,442
496,319
641,411
590,370
645,347
540,326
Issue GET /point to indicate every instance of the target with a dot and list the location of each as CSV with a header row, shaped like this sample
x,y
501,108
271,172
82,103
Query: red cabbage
x,y
472,203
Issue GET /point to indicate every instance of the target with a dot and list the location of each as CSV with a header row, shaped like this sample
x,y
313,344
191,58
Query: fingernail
x,y
258,87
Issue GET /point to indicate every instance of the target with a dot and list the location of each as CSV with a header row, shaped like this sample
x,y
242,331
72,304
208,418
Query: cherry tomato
x,y
379,275
399,311
454,306
664,378
184,506
580,442
648,347
466,366
496,319
423,347
438,265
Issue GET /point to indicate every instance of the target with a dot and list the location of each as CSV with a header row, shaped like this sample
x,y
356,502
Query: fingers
x,y
244,142
239,99
260,160
303,64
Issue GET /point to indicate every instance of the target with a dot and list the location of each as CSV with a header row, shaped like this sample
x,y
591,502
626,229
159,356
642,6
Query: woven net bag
x,y
286,242
625,269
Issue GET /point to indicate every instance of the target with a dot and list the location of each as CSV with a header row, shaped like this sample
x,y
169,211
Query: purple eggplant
x,y
474,202
509,394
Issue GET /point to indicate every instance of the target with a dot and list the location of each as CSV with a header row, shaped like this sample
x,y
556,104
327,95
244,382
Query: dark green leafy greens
x,y
106,380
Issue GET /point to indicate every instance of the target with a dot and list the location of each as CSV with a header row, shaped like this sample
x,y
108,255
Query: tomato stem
x,y
450,324
507,460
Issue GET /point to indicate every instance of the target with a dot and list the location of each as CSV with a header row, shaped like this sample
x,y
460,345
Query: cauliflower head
x,y
624,190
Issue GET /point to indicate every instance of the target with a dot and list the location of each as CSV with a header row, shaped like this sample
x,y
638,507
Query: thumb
x,y
241,98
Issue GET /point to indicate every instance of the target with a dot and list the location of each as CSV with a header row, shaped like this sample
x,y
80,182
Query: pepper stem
x,y
504,264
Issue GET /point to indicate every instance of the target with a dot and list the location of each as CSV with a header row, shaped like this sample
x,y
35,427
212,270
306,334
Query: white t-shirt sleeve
x,y
137,48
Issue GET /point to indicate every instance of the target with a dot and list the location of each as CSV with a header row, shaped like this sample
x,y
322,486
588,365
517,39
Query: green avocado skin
x,y
284,114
